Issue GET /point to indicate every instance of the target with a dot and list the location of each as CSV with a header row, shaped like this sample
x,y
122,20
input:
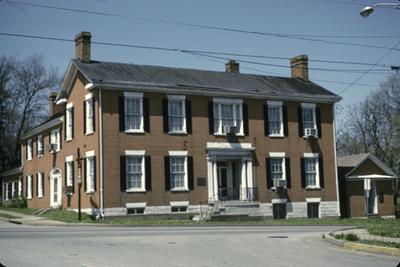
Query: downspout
x,y
335,157
101,156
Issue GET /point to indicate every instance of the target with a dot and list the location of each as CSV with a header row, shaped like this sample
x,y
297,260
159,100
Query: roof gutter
x,y
41,128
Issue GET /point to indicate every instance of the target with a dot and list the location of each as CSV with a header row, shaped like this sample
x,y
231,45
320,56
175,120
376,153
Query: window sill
x,y
224,134
89,133
40,196
178,133
276,135
68,140
134,131
135,191
313,188
179,190
90,192
29,198
40,156
28,159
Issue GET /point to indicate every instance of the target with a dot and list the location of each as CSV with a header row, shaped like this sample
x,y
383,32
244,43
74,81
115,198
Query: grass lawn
x,y
66,216
27,211
8,216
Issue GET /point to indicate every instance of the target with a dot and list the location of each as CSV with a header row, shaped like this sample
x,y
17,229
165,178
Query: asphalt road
x,y
22,245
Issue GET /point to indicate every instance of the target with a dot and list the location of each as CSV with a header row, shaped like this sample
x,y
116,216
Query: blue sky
x,y
307,17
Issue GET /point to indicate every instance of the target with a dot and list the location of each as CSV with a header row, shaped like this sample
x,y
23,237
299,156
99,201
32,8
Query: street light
x,y
369,9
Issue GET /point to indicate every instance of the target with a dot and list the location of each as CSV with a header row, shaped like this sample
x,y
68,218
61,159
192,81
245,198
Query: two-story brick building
x,y
157,139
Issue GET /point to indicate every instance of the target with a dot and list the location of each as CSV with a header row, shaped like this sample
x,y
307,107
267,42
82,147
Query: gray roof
x,y
116,75
356,160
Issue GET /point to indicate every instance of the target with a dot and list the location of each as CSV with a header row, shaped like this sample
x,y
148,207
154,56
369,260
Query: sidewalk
x,y
28,219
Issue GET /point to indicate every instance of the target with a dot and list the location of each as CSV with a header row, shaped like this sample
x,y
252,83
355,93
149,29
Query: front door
x,y
55,189
372,200
222,182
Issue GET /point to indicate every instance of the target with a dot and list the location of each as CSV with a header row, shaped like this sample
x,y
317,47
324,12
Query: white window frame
x,y
134,96
281,156
29,150
143,171
6,191
317,174
68,122
69,171
55,138
313,107
276,104
217,103
89,114
39,144
179,154
13,190
29,187
182,100
40,185
89,165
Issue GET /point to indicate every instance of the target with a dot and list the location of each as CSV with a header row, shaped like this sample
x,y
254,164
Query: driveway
x,y
22,245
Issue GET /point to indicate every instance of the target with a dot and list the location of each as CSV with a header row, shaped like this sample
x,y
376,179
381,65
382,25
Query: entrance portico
x,y
230,172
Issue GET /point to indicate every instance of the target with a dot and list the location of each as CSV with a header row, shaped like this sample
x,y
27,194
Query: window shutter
x,y
287,167
73,177
37,151
166,172
85,175
84,117
190,173
73,122
146,115
245,119
321,172
26,149
285,121
318,120
300,120
211,117
122,173
147,166
268,171
94,114
43,183
188,116
22,186
32,186
266,121
121,100
26,187
303,173
60,138
65,125
65,175
165,115
94,174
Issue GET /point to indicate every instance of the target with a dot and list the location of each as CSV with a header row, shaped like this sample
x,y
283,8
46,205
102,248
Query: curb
x,y
15,222
361,247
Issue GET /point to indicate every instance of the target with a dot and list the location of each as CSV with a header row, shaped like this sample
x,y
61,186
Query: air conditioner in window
x,y
51,147
229,129
280,183
310,132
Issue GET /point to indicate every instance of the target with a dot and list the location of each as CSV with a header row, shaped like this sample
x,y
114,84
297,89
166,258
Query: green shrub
x,y
18,203
351,237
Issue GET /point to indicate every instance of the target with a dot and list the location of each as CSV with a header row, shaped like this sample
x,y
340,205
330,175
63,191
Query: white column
x,y
210,180
215,176
250,183
243,180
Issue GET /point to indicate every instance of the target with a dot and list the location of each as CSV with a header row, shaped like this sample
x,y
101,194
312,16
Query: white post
x,y
243,180
210,179
250,191
215,180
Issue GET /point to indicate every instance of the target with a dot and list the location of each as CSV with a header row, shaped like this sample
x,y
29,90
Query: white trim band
x,y
178,153
135,205
89,153
227,100
133,94
135,152
274,103
313,200
88,96
277,154
311,155
279,201
176,97
69,158
179,203
308,105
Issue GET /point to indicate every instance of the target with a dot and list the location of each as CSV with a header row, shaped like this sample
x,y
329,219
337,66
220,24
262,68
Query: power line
x,y
193,25
178,50
364,73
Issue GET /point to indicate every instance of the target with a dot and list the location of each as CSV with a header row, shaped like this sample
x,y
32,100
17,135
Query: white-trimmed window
x,y
89,114
90,172
69,121
178,170
20,186
29,149
311,170
6,191
40,185
55,138
29,187
39,145
176,114
13,189
228,112
277,168
135,171
308,116
275,118
69,164
134,121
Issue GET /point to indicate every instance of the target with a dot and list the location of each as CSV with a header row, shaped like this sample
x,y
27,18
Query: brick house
x,y
159,140
366,186
12,184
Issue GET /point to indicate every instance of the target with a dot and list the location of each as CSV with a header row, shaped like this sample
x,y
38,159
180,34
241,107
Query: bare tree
x,y
25,85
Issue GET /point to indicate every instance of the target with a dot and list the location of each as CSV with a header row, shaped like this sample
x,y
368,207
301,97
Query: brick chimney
x,y
232,66
82,46
299,67
55,109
